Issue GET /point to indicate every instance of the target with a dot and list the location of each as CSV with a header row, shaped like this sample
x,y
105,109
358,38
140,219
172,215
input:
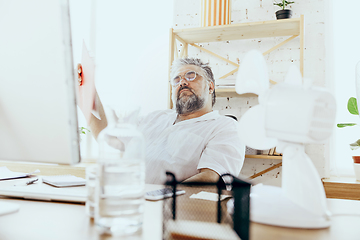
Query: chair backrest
x,y
232,116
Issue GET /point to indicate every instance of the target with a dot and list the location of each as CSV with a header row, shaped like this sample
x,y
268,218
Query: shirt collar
x,y
206,117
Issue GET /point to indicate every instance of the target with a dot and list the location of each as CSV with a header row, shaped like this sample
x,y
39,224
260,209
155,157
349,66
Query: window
x,y
346,54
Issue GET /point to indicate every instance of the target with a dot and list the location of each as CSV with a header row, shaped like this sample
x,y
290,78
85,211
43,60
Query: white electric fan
x,y
6,208
289,115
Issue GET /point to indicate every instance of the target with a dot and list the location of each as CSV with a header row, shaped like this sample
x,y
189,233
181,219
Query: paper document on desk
x,y
209,196
64,180
6,174
40,191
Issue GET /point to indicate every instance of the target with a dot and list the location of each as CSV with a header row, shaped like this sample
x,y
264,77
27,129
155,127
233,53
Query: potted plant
x,y
283,13
82,132
353,109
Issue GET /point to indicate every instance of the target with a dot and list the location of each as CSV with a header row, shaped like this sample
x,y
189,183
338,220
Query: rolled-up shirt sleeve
x,y
224,152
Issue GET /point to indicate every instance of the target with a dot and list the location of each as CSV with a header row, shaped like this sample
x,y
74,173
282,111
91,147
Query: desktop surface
x,y
57,220
53,220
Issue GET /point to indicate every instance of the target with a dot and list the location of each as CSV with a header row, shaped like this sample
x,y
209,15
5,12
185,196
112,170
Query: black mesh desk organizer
x,y
181,208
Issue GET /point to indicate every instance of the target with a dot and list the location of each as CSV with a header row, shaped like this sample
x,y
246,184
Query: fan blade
x,y
252,76
293,76
252,129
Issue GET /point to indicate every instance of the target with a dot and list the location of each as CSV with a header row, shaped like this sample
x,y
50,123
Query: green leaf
x,y
283,4
342,125
280,4
352,106
83,130
355,145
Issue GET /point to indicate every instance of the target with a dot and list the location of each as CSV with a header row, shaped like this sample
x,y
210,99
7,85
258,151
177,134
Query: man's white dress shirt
x,y
210,141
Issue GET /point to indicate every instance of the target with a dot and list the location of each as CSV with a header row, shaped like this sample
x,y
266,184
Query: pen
x,y
31,181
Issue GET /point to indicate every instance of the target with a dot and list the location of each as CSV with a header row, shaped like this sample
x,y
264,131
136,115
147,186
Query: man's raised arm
x,y
205,175
96,125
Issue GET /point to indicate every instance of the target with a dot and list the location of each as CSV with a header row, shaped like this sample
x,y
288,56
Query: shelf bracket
x,y
184,52
230,73
171,59
220,57
265,53
176,50
184,48
280,44
215,55
265,171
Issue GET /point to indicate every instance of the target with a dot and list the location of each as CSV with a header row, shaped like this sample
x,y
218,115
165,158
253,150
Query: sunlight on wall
x,y
131,52
130,37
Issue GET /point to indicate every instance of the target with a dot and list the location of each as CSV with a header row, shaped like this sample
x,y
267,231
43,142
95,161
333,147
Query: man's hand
x,y
79,74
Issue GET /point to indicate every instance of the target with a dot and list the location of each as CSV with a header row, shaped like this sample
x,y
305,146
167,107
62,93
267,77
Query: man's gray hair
x,y
209,76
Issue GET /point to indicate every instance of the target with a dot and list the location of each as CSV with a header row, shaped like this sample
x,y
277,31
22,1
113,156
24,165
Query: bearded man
x,y
193,142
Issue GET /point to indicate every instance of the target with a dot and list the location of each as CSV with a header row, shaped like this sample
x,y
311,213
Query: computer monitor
x,y
38,114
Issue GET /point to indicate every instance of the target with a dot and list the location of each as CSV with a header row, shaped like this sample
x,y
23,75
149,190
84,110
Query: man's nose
x,y
183,81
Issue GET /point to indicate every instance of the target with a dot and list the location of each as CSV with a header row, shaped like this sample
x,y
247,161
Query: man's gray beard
x,y
192,104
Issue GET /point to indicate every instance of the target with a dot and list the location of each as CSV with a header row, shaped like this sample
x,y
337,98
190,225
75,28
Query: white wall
x,y
131,49
322,63
131,52
187,14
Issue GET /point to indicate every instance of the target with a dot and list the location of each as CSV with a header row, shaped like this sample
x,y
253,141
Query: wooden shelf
x,y
230,92
264,29
264,157
342,188
293,27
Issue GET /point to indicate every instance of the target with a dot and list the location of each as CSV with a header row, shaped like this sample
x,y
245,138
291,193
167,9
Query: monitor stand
x,y
6,208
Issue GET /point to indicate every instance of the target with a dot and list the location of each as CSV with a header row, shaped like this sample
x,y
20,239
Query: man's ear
x,y
211,87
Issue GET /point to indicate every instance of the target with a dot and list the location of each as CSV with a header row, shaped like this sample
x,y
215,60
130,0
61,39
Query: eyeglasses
x,y
189,76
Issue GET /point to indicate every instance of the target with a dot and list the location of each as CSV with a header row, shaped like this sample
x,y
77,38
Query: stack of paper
x,y
64,180
209,196
5,174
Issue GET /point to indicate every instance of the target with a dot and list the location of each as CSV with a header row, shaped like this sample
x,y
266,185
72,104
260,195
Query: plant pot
x,y
283,14
357,167
356,159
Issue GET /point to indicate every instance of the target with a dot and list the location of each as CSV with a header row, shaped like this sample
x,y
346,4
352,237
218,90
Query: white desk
x,y
49,220
40,220
54,220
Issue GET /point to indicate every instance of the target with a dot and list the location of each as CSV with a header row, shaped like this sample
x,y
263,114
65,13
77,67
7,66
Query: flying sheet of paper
x,y
209,196
86,91
6,174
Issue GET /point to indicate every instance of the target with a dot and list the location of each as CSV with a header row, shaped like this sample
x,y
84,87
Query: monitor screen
x,y
38,114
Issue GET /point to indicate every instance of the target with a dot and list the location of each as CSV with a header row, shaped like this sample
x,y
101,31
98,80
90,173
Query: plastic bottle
x,y
120,185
